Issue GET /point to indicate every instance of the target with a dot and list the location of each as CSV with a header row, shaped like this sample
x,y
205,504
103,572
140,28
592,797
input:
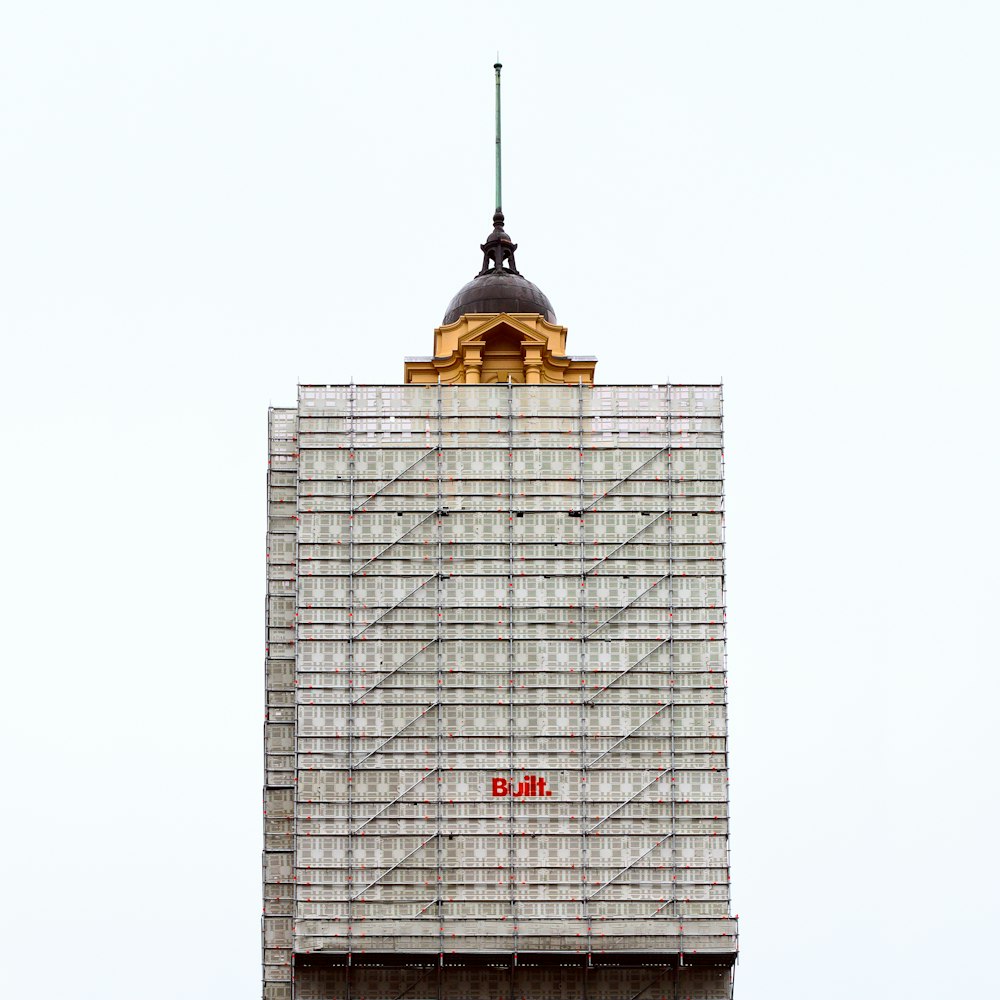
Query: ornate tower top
x,y
500,326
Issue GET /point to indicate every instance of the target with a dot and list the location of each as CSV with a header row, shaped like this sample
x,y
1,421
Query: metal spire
x,y
498,66
499,248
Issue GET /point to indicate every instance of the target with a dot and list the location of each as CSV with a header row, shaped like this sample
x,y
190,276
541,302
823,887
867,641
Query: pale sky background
x,y
203,203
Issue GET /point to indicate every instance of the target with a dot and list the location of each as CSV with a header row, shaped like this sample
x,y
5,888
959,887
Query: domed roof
x,y
496,291
498,288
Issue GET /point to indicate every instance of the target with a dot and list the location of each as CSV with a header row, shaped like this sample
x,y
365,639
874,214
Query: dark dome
x,y
498,291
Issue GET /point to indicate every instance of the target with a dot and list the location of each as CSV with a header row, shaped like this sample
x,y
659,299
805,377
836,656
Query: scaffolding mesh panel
x,y
496,682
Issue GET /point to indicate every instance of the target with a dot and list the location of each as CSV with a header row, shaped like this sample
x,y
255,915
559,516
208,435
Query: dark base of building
x,y
503,976
542,959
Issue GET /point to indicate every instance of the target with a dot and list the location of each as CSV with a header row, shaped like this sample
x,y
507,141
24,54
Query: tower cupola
x,y
499,287
500,327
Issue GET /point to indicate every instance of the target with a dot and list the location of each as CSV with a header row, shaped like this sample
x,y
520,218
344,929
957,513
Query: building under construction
x,y
496,680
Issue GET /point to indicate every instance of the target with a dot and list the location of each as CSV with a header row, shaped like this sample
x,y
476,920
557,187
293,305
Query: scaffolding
x,y
475,590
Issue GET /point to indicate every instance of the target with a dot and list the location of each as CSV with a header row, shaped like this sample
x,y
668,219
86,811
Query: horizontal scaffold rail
x,y
416,982
621,545
389,805
667,970
396,541
625,479
631,864
642,659
398,604
638,597
399,475
409,659
631,798
630,734
392,868
398,732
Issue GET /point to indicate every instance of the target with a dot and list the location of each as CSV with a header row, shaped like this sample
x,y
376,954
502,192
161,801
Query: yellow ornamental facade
x,y
500,347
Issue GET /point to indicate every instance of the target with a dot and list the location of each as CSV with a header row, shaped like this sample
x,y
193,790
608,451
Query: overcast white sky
x,y
203,203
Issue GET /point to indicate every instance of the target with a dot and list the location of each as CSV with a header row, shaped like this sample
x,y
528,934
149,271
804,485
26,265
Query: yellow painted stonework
x,y
522,347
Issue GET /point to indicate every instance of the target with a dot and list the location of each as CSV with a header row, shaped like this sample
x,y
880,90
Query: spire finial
x,y
497,66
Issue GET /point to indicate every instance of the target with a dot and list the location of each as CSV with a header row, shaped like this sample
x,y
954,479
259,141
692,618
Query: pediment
x,y
497,347
503,323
